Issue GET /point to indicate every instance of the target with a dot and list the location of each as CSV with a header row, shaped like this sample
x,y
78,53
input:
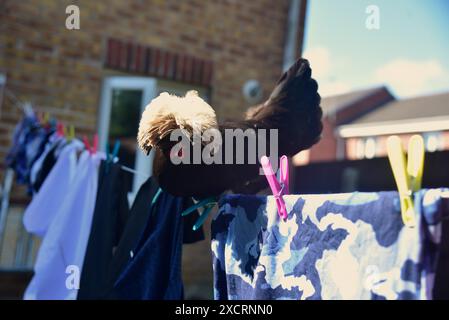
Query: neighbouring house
x,y
365,138
357,124
99,78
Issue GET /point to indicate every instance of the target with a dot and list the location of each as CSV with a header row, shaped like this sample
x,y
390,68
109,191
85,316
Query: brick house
x,y
357,124
125,53
425,115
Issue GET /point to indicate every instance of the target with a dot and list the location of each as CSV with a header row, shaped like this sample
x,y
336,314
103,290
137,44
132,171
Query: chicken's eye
x,y
177,153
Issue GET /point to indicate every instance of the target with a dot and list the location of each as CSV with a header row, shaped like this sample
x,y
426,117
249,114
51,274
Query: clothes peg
x,y
116,149
46,118
283,172
87,144
92,149
397,160
60,129
415,162
207,204
52,124
278,189
110,157
203,217
71,134
95,144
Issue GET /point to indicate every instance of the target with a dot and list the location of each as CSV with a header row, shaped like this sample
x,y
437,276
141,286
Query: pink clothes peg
x,y
92,149
95,144
60,129
86,143
278,189
283,173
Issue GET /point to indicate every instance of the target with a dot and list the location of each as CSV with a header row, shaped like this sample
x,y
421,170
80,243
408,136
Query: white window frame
x,y
148,87
151,87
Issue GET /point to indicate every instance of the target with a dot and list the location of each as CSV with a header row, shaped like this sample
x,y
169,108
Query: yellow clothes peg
x,y
69,132
46,119
415,163
72,132
408,178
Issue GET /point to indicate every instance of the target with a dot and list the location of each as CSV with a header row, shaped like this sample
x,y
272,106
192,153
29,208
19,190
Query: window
x,y
122,103
433,141
370,148
360,149
366,148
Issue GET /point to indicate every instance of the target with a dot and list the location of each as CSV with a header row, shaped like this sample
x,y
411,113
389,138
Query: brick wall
x,y
60,71
326,148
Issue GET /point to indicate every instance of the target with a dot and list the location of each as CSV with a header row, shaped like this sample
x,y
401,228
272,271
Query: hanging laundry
x,y
29,141
48,202
43,165
51,142
147,262
110,216
132,233
61,255
344,246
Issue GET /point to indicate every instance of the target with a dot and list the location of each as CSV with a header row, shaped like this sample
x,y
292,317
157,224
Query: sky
x,y
409,52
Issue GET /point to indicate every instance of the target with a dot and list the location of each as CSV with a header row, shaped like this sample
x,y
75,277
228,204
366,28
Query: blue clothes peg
x,y
208,204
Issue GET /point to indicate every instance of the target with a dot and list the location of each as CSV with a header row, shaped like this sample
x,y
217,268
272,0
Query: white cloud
x,y
324,73
330,88
411,78
319,58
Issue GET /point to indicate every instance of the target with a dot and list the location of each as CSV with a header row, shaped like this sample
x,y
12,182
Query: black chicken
x,y
293,108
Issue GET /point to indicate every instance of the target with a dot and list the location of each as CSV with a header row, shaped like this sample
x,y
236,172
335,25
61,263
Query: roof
x,y
436,105
333,104
414,115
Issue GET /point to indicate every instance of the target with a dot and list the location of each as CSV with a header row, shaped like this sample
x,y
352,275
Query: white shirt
x,y
48,201
61,255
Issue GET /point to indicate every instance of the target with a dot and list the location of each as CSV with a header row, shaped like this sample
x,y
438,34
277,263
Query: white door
x,y
123,100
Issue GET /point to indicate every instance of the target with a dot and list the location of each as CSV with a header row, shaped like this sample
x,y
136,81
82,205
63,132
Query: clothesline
x,y
24,106
134,171
27,109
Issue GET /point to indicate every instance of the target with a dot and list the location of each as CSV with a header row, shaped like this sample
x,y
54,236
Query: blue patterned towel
x,y
338,246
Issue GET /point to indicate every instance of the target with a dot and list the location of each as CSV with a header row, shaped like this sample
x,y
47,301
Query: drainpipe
x,y
294,32
293,50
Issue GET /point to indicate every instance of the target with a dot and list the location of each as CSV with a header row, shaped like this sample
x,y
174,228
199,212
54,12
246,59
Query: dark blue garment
x,y
154,272
17,157
29,141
